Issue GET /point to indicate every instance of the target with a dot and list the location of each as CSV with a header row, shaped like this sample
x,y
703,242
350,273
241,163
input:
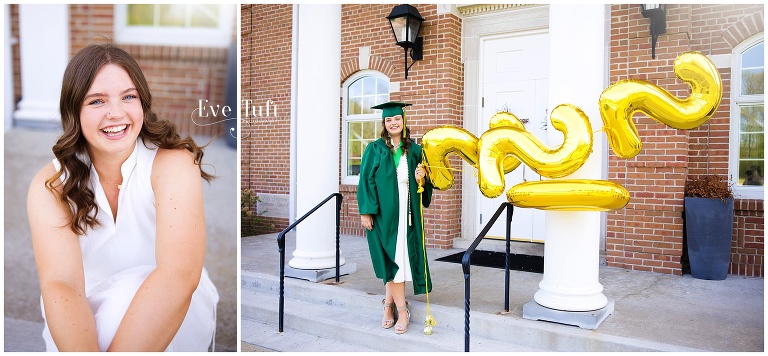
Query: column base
x,y
583,319
319,275
37,119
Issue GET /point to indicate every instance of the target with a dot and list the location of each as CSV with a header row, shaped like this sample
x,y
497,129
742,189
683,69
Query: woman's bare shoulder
x,y
43,201
174,165
39,180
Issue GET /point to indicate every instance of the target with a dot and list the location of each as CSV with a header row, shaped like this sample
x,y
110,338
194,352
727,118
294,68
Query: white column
x,y
44,49
577,76
318,65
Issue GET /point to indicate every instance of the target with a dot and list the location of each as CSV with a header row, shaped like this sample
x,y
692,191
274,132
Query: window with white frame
x,y
193,25
747,147
361,125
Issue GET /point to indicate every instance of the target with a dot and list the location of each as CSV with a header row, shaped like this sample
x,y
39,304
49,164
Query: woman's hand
x,y
420,174
367,221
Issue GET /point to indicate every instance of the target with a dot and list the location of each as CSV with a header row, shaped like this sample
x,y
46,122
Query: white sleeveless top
x,y
119,255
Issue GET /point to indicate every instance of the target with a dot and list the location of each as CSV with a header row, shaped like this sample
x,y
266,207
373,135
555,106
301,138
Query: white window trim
x,y
744,192
347,179
220,37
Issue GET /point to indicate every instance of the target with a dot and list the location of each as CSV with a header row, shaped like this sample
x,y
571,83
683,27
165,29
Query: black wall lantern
x,y
658,15
405,22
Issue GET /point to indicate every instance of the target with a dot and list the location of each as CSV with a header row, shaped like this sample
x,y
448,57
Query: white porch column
x,y
578,72
44,51
316,75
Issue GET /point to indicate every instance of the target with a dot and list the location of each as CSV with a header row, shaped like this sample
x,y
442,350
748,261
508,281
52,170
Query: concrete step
x,y
264,337
342,318
23,335
351,317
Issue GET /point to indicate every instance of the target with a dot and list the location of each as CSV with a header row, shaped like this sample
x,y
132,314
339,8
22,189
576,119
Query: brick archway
x,y
352,66
745,28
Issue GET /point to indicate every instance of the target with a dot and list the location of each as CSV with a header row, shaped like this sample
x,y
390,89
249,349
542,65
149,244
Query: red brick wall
x,y
648,233
15,50
266,75
177,76
434,87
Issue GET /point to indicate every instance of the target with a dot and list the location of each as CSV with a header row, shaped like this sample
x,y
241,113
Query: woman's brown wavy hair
x,y
406,139
70,149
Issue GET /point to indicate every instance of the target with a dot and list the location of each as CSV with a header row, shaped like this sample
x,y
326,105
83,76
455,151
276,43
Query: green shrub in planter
x,y
709,226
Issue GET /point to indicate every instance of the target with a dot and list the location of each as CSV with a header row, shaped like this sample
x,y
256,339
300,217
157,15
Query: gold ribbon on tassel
x,y
430,321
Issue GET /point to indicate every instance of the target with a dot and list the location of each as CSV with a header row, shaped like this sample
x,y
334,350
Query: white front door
x,y
514,76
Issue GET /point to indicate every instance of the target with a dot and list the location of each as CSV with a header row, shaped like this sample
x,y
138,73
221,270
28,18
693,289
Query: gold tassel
x,y
430,321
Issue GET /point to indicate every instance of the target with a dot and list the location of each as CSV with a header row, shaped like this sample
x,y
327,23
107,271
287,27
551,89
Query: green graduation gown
x,y
377,196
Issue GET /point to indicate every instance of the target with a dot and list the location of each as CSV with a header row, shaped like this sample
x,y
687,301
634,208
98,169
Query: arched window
x,y
747,156
360,124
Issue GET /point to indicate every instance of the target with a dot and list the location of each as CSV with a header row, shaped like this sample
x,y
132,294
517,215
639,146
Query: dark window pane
x,y
751,172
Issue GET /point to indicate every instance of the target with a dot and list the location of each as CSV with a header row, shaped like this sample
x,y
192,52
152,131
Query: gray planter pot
x,y
709,229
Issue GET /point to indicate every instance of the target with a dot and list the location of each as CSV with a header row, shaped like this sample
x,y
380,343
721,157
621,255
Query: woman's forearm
x,y
156,311
69,317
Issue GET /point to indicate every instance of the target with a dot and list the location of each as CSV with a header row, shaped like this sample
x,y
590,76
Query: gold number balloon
x,y
507,119
507,143
569,194
437,143
621,100
496,143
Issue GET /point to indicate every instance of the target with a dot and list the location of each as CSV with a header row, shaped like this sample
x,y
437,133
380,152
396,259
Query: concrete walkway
x,y
28,150
660,312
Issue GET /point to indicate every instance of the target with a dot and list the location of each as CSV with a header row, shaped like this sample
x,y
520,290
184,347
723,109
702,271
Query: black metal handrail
x,y
281,249
465,266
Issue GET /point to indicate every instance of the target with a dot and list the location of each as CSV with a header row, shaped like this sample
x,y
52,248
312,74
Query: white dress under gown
x,y
118,257
401,249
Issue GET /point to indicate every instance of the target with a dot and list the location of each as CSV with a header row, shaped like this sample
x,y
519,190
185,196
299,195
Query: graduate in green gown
x,y
384,213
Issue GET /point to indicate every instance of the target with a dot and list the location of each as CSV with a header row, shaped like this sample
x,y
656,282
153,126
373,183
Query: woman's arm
x,y
161,303
60,268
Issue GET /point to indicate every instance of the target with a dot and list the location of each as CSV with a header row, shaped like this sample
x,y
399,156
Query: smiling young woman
x,y
117,219
390,212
